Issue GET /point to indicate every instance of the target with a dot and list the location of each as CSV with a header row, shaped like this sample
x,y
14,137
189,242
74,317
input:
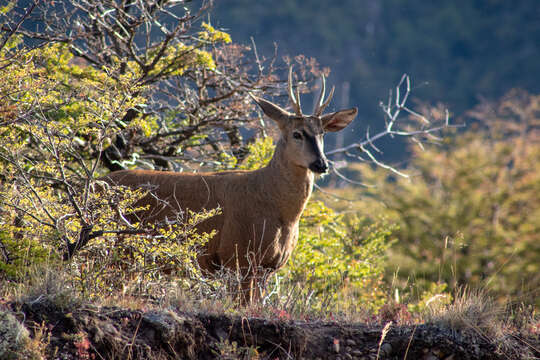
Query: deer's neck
x,y
289,185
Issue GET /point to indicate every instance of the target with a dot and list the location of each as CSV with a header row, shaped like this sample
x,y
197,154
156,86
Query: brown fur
x,y
258,227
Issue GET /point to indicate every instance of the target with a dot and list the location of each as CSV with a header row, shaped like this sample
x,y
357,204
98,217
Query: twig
x,y
392,110
410,342
384,332
18,25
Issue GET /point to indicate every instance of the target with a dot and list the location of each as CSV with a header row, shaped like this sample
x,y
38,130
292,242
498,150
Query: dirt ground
x,y
90,332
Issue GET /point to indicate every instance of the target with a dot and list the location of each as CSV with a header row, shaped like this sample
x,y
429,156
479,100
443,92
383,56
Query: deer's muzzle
x,y
319,166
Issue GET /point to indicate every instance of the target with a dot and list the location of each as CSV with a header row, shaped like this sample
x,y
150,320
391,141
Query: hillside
x,y
457,53
86,331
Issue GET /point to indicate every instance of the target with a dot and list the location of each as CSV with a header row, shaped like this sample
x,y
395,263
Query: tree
x,y
193,79
470,213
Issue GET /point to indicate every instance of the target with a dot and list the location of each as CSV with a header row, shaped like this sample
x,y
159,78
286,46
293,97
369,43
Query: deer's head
x,y
302,135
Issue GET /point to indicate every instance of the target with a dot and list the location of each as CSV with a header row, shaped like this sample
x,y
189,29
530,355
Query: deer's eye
x,y
297,135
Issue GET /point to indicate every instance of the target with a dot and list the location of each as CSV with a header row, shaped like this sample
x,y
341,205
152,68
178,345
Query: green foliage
x,y
58,118
111,263
339,259
191,80
434,298
471,212
260,153
20,253
231,350
212,35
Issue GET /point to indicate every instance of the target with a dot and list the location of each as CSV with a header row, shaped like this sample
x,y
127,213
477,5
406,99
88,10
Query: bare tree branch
x,y
396,104
16,27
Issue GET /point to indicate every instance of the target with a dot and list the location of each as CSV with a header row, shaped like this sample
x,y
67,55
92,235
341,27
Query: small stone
x,y
357,353
221,334
336,346
348,349
348,356
350,342
386,349
165,322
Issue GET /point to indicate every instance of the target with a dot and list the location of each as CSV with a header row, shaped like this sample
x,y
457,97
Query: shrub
x,y
58,119
470,214
340,260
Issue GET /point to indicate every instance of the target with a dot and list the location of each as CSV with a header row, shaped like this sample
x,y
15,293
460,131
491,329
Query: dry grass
x,y
470,310
475,310
41,282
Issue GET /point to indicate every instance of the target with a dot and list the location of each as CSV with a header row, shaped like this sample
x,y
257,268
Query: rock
x,y
386,349
13,336
350,342
336,346
165,322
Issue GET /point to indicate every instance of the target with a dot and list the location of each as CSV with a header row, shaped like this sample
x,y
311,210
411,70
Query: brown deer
x,y
258,227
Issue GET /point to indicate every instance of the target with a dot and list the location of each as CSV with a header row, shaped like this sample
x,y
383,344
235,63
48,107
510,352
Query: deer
x,y
260,209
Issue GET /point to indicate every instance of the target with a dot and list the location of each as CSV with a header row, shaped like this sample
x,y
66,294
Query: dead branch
x,y
392,110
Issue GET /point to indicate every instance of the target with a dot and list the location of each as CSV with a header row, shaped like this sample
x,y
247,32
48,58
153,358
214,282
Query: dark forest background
x,y
458,53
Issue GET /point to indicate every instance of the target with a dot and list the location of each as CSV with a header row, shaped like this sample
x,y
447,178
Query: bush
x,y
339,260
470,214
58,119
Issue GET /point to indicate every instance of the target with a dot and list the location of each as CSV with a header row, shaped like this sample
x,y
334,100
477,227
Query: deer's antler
x,y
295,101
321,104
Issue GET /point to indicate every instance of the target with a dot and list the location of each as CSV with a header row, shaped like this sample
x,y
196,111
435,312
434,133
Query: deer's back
x,y
249,220
171,191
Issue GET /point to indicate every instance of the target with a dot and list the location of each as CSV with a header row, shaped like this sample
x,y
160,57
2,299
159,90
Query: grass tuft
x,y
470,310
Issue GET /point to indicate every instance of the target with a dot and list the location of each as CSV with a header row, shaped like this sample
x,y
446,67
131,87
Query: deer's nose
x,y
319,166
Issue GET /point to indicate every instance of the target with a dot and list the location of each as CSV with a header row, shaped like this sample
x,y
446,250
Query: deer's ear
x,y
338,120
273,111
